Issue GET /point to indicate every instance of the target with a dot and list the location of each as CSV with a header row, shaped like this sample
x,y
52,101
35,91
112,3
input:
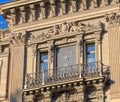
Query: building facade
x,y
60,51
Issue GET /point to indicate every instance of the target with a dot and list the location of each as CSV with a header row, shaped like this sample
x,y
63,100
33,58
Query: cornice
x,y
4,42
17,3
81,16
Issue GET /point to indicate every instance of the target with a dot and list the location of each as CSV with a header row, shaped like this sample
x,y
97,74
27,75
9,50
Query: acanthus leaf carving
x,y
17,39
112,18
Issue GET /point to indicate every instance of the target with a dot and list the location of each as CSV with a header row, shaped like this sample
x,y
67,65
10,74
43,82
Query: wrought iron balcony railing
x,y
66,73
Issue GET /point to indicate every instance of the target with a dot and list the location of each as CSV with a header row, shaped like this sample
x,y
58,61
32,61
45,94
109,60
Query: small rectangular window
x,y
90,58
44,61
90,53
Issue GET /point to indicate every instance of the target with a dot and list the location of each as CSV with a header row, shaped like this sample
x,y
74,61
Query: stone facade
x,y
63,29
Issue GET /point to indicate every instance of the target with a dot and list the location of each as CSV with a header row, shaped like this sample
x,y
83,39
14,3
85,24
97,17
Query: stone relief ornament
x,y
17,39
62,98
112,18
66,28
70,96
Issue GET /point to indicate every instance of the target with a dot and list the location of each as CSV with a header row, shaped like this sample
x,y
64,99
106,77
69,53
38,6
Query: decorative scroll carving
x,y
17,39
66,28
113,18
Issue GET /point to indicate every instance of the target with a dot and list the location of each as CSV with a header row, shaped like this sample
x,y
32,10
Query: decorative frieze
x,y
66,28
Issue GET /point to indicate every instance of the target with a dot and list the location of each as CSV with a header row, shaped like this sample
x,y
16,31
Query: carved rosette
x,y
17,39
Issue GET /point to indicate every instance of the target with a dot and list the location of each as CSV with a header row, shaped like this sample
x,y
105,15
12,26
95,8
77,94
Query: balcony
x,y
65,74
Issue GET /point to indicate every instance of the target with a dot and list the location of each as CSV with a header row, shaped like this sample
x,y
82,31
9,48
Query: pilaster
x,y
98,51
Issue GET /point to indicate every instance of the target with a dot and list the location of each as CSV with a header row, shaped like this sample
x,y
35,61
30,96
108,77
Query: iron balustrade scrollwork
x,y
61,74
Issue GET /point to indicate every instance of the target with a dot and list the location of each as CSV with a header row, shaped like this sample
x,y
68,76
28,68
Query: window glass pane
x,y
90,48
65,56
44,61
90,58
90,53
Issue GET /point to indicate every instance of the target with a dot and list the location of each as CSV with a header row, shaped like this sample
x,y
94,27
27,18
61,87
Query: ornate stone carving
x,y
42,10
66,28
32,15
95,3
17,39
113,18
23,15
62,98
73,4
62,8
84,4
52,8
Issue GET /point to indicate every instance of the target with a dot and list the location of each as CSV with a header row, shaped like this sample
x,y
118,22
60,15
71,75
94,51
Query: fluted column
x,y
23,14
32,12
